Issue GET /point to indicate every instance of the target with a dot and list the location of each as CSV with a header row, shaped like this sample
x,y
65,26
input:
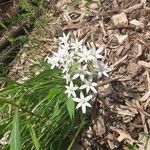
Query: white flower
x,y
85,55
65,47
60,54
102,68
64,39
81,72
53,61
67,76
89,85
76,45
83,102
96,52
67,63
66,67
71,89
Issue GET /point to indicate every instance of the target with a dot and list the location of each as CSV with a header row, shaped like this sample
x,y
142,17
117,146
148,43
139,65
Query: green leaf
x,y
74,66
25,4
3,25
33,136
7,79
53,93
15,141
70,107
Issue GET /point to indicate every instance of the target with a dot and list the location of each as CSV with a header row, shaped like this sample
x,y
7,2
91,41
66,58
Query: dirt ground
x,y
120,116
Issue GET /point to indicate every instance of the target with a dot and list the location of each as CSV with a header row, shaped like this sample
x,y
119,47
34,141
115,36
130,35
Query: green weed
x,y
46,117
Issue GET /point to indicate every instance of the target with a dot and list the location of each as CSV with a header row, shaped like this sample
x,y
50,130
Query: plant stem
x,y
77,133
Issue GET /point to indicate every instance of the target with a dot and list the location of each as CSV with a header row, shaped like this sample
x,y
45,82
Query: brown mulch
x,y
121,111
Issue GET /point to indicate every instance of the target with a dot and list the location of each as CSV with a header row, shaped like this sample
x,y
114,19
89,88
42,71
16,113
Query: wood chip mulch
x,y
121,112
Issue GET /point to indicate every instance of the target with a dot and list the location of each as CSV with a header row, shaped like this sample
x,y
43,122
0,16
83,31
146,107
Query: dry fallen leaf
x,y
133,68
99,126
123,135
120,20
137,23
121,38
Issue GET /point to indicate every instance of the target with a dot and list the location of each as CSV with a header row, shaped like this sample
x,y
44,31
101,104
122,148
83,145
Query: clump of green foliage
x,y
38,113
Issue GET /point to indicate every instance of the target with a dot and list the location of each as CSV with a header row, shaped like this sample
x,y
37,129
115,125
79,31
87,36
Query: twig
x,y
5,3
119,61
108,81
145,97
103,28
144,43
130,9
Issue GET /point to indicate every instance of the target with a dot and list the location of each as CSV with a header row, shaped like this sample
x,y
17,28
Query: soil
x,y
120,116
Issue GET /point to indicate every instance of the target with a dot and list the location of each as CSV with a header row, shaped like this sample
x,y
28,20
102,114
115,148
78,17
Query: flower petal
x,y
75,76
78,105
84,109
81,95
93,89
88,105
82,86
88,97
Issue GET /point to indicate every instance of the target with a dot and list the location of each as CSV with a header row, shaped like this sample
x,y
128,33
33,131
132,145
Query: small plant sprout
x,y
81,68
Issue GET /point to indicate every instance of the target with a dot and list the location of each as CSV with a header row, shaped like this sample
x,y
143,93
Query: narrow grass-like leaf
x,y
8,80
15,142
70,107
33,136
3,25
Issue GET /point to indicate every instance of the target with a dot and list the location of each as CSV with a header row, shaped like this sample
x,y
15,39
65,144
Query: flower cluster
x,y
79,63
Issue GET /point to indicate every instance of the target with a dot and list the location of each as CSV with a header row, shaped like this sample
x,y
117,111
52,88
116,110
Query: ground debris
x,y
121,112
137,23
120,20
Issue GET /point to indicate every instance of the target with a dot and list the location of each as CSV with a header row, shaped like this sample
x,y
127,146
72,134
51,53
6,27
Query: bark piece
x,y
120,20
121,38
137,23
144,63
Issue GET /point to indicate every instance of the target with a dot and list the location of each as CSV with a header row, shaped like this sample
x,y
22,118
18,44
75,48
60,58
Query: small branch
x,y
6,3
130,9
108,81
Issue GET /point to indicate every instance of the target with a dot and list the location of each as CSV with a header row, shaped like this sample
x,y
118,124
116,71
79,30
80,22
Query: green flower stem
x,y
77,133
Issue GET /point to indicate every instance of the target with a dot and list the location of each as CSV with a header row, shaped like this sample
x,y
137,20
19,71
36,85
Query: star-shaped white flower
x,y
61,54
67,63
96,52
102,68
85,55
54,61
81,72
65,67
64,39
65,47
89,85
76,45
71,89
83,102
67,76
